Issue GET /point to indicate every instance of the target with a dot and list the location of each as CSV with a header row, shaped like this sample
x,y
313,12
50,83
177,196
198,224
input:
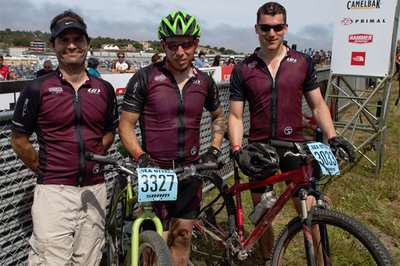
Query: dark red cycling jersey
x,y
170,119
275,105
67,125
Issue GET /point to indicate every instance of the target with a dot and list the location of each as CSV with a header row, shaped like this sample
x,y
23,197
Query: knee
x,y
182,236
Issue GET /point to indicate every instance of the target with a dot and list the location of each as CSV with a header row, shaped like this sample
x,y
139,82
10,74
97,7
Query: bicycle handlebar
x,y
184,171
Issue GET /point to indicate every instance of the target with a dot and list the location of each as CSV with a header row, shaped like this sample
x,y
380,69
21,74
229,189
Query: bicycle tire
x,y
218,218
115,251
350,242
152,245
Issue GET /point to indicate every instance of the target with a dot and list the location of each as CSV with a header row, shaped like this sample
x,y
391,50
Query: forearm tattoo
x,y
218,124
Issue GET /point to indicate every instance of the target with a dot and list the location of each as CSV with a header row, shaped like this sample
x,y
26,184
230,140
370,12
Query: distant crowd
x,y
120,65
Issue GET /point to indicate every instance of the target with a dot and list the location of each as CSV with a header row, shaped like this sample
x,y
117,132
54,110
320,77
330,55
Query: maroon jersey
x,y
67,125
275,105
169,118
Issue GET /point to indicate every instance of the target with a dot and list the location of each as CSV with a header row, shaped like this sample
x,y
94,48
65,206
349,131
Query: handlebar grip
x,y
90,156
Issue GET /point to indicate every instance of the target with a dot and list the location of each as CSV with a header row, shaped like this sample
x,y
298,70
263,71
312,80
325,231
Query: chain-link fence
x,y
17,181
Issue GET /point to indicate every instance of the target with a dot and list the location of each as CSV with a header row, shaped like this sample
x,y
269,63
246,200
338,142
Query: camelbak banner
x,y
362,40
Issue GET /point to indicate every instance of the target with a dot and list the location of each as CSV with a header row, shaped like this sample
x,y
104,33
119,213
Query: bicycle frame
x,y
145,213
298,178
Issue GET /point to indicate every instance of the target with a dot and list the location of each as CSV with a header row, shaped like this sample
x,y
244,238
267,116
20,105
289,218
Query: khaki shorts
x,y
68,225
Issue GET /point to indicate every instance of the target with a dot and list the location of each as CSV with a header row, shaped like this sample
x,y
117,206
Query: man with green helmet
x,y
168,98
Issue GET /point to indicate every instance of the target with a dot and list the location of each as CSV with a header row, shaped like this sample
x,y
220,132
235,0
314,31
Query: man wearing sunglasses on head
x,y
168,98
273,81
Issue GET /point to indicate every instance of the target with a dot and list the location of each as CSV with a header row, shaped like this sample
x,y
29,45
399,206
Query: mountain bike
x,y
128,238
220,238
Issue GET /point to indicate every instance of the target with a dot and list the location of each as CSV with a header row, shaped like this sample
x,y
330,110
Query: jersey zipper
x,y
80,138
274,101
181,125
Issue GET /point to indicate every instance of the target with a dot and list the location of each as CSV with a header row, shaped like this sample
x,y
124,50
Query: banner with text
x,y
362,39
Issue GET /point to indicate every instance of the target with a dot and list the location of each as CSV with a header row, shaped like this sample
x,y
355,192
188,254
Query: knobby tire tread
x,y
346,223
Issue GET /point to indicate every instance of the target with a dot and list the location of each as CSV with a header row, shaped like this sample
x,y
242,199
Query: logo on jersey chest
x,y
93,91
55,90
160,78
253,64
292,60
193,150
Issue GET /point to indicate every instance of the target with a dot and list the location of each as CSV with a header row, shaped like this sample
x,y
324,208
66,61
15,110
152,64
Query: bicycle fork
x,y
319,243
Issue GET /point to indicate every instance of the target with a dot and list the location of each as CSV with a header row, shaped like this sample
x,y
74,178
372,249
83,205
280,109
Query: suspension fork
x,y
306,221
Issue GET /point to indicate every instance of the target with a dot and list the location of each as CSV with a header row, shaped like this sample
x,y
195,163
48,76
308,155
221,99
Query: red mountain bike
x,y
219,237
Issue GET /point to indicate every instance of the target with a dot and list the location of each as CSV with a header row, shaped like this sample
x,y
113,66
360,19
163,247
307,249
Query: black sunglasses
x,y
121,56
185,45
267,28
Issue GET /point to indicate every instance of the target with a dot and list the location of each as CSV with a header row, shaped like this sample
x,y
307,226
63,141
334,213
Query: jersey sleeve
x,y
212,101
111,116
310,83
237,85
27,109
135,94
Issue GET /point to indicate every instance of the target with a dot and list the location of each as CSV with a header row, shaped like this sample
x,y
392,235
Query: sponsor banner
x,y
118,81
363,34
226,73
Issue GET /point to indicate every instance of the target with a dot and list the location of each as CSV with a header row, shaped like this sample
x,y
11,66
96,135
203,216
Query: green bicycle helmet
x,y
178,23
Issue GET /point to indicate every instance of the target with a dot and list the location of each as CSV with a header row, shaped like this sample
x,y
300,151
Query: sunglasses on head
x,y
276,28
185,45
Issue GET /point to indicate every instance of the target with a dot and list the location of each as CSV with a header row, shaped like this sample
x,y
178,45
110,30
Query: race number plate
x,y
325,158
156,184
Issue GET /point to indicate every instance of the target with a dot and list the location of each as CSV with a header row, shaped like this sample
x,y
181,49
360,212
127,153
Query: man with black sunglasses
x,y
122,66
168,98
273,81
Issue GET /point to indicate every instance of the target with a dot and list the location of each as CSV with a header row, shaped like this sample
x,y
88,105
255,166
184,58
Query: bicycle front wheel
x,y
215,224
346,242
153,249
115,250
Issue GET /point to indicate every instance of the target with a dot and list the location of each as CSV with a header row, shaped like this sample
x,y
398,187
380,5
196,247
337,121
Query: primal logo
x,y
93,91
366,4
361,38
55,90
349,21
357,58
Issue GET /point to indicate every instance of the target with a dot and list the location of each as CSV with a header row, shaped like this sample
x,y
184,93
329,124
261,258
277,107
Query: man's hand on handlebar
x,y
144,161
210,156
338,143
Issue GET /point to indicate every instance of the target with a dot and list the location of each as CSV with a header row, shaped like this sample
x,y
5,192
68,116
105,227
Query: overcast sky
x,y
224,23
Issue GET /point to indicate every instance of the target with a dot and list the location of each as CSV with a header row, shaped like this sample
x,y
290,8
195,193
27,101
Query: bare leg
x,y
181,231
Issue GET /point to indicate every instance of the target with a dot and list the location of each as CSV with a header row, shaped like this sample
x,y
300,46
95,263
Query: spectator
x,y
201,61
92,67
121,66
231,61
217,61
71,113
5,72
157,57
316,58
47,68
